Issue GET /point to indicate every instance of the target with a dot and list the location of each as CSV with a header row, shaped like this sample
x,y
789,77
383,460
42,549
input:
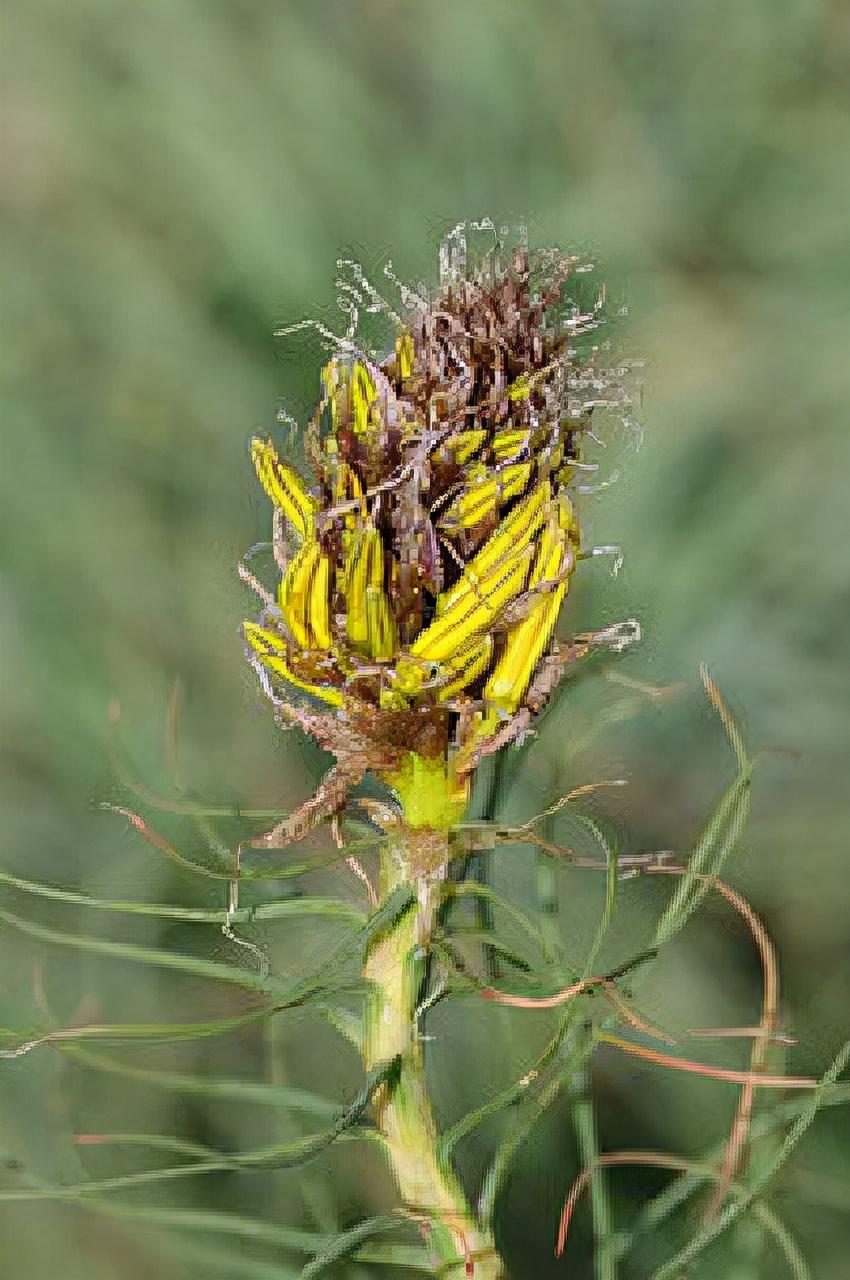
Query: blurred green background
x,y
179,177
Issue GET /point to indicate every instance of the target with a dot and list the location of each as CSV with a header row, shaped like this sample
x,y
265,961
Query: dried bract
x,y
425,563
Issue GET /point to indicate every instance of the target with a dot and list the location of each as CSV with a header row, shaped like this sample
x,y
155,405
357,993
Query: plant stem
x,y
429,1188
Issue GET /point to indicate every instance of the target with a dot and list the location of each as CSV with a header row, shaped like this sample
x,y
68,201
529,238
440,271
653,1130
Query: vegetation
x,y
175,1100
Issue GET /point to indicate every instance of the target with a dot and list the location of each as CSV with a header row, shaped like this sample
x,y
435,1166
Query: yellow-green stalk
x,y
394,969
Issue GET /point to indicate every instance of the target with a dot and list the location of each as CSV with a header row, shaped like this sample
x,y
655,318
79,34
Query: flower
x,y
424,566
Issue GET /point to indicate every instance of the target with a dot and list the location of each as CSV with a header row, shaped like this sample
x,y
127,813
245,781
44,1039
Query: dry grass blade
x,y
164,846
703,1069
731,1212
661,1160
764,1032
733,733
583,985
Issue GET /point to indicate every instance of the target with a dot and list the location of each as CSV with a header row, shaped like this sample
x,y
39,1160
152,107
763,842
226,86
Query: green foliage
x,y
178,179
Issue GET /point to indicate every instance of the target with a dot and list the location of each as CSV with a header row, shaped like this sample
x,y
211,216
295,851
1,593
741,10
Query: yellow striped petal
x,y
514,533
363,396
404,352
472,611
271,650
473,664
284,486
485,491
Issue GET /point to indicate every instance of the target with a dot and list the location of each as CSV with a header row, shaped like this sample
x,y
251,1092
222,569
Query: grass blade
x,y
214,1222
282,1097
283,908
714,846
722,831
584,1122
347,1242
218,1261
733,1211
196,966
472,889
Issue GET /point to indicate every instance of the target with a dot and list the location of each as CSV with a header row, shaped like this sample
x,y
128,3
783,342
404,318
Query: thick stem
x,y
428,1186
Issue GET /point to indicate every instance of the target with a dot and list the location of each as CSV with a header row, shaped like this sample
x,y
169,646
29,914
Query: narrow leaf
x,y
675,1265
283,908
194,965
584,1121
710,853
471,888
282,1097
216,1222
347,1242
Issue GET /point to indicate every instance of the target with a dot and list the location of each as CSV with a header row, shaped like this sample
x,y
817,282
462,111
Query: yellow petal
x,y
463,445
284,486
513,534
508,442
404,354
271,650
484,492
382,638
363,396
295,593
520,389
320,603
473,611
527,640
462,673
364,568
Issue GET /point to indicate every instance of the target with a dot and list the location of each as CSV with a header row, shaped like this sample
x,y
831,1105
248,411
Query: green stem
x,y
428,1186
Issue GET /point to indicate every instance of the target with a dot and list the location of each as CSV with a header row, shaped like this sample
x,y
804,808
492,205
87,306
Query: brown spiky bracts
x,y
424,564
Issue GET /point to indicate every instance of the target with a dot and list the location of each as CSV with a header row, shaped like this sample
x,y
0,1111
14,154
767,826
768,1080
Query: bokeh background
x,y
178,179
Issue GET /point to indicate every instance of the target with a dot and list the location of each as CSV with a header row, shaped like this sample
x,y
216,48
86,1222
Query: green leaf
x,y
282,1097
388,915
207,1160
384,1073
82,1190
345,1022
542,1093
472,889
219,1261
733,1211
215,1222
714,846
204,1160
611,887
153,1031
196,966
473,1119
282,909
668,1200
584,1122
35,1122
347,1242
162,1032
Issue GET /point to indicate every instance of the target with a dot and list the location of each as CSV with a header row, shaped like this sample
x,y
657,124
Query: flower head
x,y
424,564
